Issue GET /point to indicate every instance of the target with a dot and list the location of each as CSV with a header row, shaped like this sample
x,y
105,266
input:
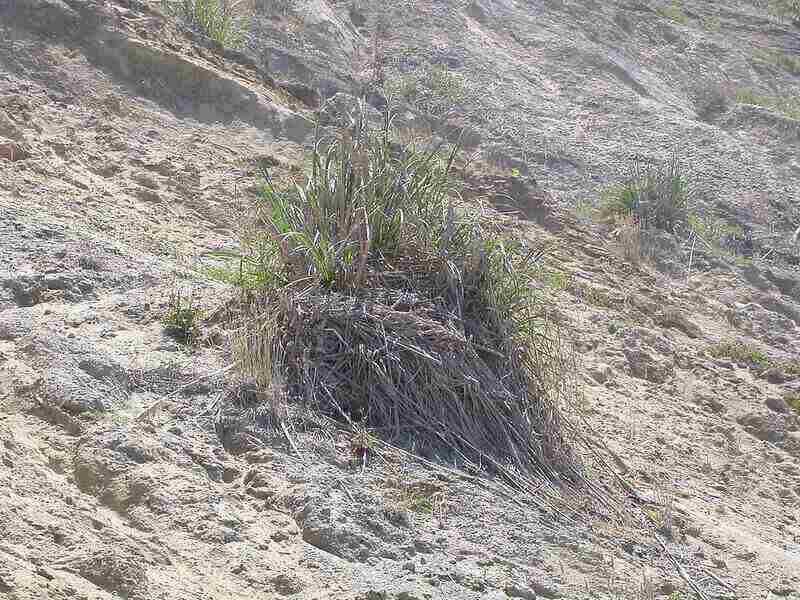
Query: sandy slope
x,y
130,149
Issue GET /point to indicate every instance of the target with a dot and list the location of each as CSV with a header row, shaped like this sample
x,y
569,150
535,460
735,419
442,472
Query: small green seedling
x,y
182,316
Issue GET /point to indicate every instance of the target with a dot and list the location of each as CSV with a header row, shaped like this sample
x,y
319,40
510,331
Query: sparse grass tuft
x,y
791,367
789,63
793,400
421,498
673,12
720,234
788,106
788,9
653,195
435,90
417,502
557,281
373,296
749,96
182,317
749,354
592,295
585,210
739,352
712,24
224,21
90,263
712,100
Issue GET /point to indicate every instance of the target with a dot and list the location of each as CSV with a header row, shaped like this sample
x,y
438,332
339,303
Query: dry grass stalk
x,y
629,239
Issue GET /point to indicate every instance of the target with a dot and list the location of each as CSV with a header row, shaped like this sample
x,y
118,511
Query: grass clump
x,y
793,400
592,295
739,352
711,23
788,9
790,367
719,233
374,297
653,195
673,12
585,210
420,500
749,354
223,21
787,106
182,317
787,62
712,100
790,64
434,90
556,280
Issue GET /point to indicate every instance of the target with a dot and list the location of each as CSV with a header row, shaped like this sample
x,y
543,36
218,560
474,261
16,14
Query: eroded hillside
x,y
130,147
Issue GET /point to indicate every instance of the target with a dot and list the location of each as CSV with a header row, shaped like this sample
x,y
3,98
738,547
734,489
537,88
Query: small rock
x,y
518,591
667,588
373,595
601,373
261,493
260,456
279,536
544,590
774,375
783,590
146,180
230,474
286,584
26,290
302,92
214,471
754,276
147,195
778,405
13,151
767,427
228,535
677,318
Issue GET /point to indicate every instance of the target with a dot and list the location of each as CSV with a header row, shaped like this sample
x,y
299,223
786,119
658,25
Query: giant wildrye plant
x,y
374,296
657,195
224,21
